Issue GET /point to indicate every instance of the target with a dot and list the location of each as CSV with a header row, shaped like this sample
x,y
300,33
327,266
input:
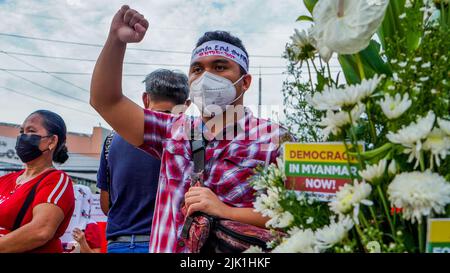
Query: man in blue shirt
x,y
128,177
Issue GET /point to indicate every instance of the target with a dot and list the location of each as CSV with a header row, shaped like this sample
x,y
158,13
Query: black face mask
x,y
27,147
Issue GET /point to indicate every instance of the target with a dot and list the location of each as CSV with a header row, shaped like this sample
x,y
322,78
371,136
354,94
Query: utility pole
x,y
259,94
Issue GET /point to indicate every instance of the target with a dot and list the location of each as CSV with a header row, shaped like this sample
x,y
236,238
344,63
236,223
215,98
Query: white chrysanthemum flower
x,y
444,125
355,93
336,98
300,241
333,233
411,136
270,178
280,164
259,184
350,197
395,107
303,44
280,220
301,38
346,26
438,143
374,172
333,122
267,204
419,194
254,249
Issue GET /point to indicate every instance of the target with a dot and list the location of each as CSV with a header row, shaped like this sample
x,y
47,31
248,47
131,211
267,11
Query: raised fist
x,y
128,25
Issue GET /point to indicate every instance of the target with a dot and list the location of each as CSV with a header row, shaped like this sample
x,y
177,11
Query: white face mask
x,y
212,93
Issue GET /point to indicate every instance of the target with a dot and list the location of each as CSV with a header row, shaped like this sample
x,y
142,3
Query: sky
x,y
175,25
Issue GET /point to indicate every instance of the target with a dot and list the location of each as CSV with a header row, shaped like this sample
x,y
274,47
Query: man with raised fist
x,y
234,141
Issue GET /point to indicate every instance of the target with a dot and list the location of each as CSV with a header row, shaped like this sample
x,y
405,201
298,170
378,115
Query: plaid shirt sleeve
x,y
156,129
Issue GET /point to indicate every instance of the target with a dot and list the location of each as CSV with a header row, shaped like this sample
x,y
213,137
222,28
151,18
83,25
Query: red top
x,y
93,235
55,189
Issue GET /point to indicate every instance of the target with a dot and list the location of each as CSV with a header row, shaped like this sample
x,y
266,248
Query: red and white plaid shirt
x,y
228,165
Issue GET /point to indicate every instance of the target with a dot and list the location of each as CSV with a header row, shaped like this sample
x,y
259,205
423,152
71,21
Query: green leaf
x,y
371,58
349,68
391,28
371,61
309,4
304,18
320,82
413,40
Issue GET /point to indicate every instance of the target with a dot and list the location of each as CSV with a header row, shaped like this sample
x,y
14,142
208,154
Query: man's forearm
x,y
106,85
104,202
245,215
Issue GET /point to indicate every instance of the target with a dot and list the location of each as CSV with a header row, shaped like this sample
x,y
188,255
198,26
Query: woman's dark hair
x,y
224,36
55,125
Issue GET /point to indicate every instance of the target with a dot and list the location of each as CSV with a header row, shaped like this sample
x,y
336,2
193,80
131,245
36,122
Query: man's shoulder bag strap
x,y
106,149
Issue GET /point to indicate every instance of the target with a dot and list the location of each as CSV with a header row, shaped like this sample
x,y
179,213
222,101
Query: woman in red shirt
x,y
41,142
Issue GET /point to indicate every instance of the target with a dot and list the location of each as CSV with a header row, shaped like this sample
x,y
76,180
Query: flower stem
x,y
329,75
386,209
347,150
355,142
375,152
421,161
315,67
421,236
340,8
320,62
363,219
360,66
374,216
359,231
310,77
372,131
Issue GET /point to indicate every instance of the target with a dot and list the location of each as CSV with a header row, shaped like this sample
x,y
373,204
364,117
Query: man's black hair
x,y
224,36
167,85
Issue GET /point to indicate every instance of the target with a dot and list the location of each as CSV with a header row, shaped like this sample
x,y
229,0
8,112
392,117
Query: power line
x,y
125,75
129,63
87,44
44,100
89,74
156,28
101,46
44,71
51,72
42,86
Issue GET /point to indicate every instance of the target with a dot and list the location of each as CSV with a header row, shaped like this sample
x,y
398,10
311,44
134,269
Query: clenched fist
x,y
128,25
